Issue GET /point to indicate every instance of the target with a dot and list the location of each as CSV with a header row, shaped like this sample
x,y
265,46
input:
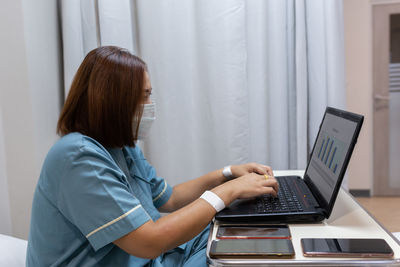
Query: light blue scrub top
x,y
86,198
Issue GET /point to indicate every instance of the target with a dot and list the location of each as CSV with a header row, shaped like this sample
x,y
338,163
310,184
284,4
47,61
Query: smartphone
x,y
251,248
253,232
351,248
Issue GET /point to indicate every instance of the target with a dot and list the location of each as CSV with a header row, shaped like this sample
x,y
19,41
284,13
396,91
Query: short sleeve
x,y
161,191
95,197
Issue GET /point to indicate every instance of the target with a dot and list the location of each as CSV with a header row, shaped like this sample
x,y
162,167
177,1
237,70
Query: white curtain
x,y
5,222
234,80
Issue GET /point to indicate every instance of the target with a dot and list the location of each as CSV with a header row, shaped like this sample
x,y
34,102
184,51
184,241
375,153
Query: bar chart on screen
x,y
330,152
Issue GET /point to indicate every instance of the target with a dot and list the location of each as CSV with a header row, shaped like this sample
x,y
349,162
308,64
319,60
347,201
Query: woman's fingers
x,y
269,171
259,170
270,190
274,184
271,182
252,184
262,169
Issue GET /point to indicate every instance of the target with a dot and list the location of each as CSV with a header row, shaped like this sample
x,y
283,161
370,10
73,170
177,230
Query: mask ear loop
x,y
153,102
153,97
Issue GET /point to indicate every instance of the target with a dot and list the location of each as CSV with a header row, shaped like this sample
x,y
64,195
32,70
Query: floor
x,y
385,209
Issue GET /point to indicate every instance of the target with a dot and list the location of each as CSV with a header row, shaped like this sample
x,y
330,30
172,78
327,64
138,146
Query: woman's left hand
x,y
240,170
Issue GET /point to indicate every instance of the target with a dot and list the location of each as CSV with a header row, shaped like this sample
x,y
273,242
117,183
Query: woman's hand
x,y
240,170
252,185
187,192
252,180
247,186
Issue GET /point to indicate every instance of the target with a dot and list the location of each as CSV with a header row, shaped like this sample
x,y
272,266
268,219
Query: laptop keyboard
x,y
286,201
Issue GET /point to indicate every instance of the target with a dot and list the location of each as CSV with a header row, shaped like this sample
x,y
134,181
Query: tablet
x,y
251,248
253,232
350,248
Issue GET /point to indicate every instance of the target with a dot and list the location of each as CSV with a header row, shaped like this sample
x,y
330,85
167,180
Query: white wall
x,y
358,50
16,111
30,84
44,58
358,45
5,222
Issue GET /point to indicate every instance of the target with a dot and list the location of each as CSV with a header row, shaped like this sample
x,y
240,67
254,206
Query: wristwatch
x,y
227,172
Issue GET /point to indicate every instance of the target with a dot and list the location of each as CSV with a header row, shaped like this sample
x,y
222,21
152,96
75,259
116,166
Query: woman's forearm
x,y
186,192
154,238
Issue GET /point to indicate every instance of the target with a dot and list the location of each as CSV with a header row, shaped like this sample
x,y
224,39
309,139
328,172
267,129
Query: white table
x,y
348,220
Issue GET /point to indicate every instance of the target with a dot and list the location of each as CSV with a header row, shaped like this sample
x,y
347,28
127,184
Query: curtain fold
x,y
234,80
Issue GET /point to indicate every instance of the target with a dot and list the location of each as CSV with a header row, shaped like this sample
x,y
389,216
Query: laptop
x,y
312,198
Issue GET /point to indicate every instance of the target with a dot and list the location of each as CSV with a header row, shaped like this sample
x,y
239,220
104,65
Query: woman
x,y
97,201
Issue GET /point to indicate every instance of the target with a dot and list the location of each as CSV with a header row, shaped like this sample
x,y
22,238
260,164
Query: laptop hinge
x,y
320,200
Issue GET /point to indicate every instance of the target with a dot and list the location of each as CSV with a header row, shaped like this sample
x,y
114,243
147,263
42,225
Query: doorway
x,y
386,99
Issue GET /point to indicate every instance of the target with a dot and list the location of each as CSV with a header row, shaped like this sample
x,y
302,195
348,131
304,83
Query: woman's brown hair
x,y
106,97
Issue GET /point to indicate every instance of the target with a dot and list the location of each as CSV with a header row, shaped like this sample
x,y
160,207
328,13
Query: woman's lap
x,y
192,253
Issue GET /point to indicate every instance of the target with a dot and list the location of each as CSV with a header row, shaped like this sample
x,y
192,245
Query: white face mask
x,y
148,118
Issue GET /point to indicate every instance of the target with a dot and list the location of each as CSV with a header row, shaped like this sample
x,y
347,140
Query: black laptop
x,y
310,199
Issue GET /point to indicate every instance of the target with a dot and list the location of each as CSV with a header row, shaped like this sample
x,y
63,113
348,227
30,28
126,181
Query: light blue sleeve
x,y
161,191
94,196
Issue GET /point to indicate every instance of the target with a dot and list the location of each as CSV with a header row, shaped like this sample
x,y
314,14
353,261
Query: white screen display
x,y
329,153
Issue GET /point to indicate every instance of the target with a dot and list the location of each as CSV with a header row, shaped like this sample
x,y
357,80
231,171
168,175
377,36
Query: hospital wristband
x,y
214,200
227,172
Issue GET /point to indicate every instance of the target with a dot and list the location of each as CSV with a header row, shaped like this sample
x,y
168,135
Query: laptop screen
x,y
331,151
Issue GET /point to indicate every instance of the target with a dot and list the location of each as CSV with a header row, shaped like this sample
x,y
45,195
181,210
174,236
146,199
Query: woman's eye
x,y
147,93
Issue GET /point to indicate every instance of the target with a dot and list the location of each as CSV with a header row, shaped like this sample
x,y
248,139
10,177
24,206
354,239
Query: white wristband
x,y
214,200
227,172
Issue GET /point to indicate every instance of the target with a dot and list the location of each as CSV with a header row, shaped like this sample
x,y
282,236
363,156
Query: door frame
x,y
381,49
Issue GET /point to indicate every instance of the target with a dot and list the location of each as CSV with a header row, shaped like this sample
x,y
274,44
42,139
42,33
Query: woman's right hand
x,y
252,185
247,186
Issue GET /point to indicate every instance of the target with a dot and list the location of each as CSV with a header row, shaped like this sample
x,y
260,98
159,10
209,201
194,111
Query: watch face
x,y
227,172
